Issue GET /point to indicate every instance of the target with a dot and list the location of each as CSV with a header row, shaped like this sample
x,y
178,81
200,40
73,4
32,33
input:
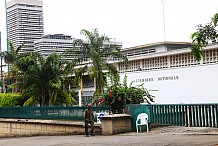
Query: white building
x,y
57,43
171,70
25,22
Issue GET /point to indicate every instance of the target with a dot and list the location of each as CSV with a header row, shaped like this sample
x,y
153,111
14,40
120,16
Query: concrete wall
x,y
116,123
196,84
22,127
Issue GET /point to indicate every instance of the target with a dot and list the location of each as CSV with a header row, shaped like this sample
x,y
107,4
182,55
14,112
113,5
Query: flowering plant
x,y
114,98
118,95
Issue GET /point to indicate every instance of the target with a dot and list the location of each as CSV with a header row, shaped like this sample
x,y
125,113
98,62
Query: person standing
x,y
89,120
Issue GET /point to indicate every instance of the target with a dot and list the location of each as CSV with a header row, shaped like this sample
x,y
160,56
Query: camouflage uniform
x,y
88,120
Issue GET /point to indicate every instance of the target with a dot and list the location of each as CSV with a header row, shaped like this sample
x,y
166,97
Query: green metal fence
x,y
134,110
169,114
192,115
64,113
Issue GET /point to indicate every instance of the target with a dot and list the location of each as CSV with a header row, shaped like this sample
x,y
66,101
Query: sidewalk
x,y
171,135
173,130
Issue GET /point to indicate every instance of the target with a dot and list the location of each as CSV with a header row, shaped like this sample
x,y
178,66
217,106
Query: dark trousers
x,y
87,122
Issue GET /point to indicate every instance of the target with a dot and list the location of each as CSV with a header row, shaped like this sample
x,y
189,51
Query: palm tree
x,y
42,80
95,54
77,79
68,70
10,58
2,80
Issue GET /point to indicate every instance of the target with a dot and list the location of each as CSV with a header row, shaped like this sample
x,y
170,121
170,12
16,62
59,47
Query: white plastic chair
x,y
143,117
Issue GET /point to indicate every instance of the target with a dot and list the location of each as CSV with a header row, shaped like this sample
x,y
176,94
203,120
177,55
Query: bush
x,y
61,98
10,99
118,95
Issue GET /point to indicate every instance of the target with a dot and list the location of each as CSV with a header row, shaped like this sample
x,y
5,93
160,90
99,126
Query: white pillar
x,y
80,98
94,84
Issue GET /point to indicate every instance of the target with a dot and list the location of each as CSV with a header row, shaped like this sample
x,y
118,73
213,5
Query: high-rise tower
x,y
57,43
25,23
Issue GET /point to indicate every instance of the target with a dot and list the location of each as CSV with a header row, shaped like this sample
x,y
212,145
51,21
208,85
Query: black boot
x,y
92,133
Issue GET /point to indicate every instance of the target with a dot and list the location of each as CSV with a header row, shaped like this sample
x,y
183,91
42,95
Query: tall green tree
x,y
42,79
10,58
1,68
23,63
67,79
204,35
95,54
73,75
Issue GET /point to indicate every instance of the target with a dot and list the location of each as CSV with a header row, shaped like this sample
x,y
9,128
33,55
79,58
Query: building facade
x,y
57,43
171,73
25,23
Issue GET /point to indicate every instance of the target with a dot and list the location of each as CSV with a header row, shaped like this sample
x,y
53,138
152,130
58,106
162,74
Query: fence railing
x,y
64,113
134,110
190,115
193,115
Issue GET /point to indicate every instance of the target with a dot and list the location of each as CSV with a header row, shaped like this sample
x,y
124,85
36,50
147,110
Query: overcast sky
x,y
133,22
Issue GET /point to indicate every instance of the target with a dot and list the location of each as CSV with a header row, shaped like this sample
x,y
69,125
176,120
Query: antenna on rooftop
x,y
162,1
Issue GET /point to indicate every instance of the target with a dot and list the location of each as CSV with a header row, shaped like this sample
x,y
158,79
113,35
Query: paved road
x,y
170,136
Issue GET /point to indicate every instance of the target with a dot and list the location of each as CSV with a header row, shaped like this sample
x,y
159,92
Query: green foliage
x,y
204,35
75,96
11,56
10,100
196,50
70,100
61,98
78,75
215,19
42,79
39,79
118,95
27,60
96,51
30,102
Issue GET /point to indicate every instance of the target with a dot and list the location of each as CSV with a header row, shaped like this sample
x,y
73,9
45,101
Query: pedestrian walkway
x,y
175,136
173,130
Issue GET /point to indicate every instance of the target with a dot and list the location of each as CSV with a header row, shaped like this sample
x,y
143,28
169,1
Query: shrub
x,y
10,99
118,95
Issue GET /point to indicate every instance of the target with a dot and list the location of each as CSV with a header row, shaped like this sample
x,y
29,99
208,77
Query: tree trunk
x,y
81,85
95,84
69,88
81,92
16,83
